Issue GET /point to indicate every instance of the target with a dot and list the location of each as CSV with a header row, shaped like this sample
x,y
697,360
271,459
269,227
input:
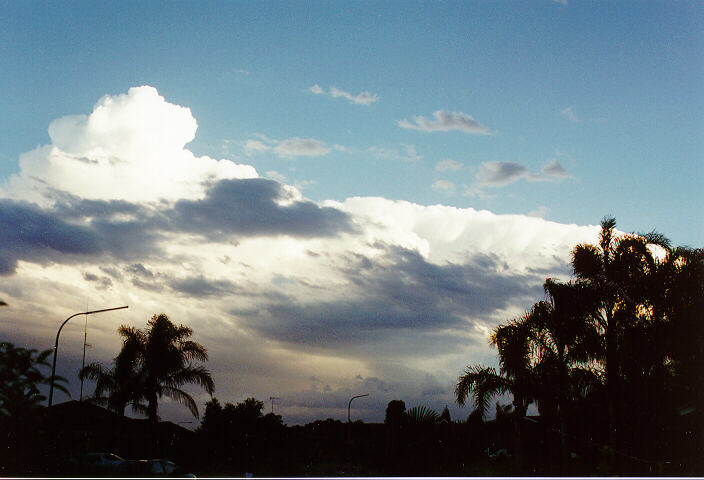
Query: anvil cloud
x,y
304,300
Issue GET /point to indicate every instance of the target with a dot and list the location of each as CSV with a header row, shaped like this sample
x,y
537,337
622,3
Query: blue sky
x,y
548,115
631,73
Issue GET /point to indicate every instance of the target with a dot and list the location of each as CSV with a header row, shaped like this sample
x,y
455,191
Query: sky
x,y
338,197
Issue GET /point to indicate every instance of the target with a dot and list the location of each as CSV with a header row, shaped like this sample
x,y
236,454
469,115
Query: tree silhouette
x,y
445,415
123,384
617,269
20,378
152,363
166,363
22,418
565,339
394,413
516,376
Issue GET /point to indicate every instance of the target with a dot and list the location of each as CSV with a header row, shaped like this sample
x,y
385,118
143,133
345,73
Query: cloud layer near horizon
x,y
294,298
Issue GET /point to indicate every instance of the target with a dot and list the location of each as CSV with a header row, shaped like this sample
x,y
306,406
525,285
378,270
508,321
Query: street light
x,y
348,405
56,345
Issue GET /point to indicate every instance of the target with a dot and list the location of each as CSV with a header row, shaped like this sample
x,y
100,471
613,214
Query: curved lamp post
x,y
350,403
56,346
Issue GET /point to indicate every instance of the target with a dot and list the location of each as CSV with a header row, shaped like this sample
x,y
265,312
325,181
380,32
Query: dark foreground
x,y
53,444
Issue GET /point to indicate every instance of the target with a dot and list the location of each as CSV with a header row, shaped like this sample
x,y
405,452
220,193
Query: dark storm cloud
x,y
29,233
398,292
249,207
200,286
76,228
102,283
71,207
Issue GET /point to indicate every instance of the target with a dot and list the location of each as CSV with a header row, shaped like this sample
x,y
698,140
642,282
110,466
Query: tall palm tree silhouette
x,y
566,341
618,269
152,363
516,375
167,358
122,384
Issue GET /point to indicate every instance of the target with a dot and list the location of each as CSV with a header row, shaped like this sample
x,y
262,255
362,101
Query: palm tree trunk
x,y
519,411
612,397
561,404
152,407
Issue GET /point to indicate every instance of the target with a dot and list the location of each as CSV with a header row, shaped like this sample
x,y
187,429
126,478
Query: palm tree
x,y
617,269
123,384
566,341
166,359
516,375
152,363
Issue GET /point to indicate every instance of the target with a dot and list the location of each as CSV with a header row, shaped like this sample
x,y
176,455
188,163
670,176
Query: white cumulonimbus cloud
x,y
132,146
365,292
444,121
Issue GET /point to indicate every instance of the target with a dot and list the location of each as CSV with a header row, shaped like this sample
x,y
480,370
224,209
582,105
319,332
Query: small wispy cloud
x,y
291,147
403,152
448,166
501,174
444,186
539,212
274,175
555,169
316,89
561,2
570,115
364,98
255,146
307,147
444,121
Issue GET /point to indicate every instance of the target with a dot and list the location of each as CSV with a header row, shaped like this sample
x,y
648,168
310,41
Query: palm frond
x,y
181,397
481,383
194,351
421,415
192,374
656,238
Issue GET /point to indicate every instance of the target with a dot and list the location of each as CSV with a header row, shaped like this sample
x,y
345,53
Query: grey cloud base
x,y
78,230
398,291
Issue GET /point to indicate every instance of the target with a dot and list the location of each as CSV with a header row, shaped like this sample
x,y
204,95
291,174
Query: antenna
x,y
272,402
83,363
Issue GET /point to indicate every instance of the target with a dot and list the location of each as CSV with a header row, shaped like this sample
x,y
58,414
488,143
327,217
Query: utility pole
x,y
272,402
83,363
56,346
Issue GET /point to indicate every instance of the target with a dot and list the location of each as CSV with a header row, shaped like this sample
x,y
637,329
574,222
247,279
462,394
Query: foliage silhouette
x,y
394,413
631,326
445,415
21,413
617,269
421,415
153,363
20,378
121,385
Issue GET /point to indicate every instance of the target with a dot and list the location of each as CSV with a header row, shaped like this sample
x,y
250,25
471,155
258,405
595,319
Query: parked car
x,y
152,468
97,463
500,453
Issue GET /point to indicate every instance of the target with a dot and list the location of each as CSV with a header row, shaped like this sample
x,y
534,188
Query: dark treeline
x,y
612,359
